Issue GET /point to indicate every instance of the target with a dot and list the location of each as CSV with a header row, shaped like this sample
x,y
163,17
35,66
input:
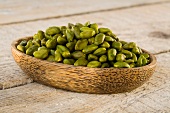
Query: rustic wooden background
x,y
146,22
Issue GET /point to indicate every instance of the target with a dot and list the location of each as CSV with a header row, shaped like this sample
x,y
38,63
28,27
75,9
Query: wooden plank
x,y
153,96
20,11
150,33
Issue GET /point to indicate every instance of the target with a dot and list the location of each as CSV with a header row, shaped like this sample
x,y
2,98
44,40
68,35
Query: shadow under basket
x,y
83,79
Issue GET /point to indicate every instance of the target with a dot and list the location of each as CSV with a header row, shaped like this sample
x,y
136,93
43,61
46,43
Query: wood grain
x,y
83,79
146,22
154,96
128,25
20,11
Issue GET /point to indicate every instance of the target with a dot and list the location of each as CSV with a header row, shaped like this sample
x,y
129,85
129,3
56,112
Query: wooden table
x,y
146,22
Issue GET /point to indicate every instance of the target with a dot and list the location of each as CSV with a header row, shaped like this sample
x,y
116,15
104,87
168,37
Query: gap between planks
x,y
162,52
88,12
155,53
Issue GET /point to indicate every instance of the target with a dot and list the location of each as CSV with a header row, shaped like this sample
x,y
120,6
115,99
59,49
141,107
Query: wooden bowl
x,y
83,79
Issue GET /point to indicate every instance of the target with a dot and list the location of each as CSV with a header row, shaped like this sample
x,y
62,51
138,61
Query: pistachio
x,y
94,64
84,45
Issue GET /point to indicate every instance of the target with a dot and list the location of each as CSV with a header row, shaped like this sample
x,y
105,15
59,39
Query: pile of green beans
x,y
84,45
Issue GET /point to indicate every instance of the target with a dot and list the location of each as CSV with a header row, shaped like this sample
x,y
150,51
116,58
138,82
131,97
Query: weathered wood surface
x,y
152,97
13,11
148,26
151,33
